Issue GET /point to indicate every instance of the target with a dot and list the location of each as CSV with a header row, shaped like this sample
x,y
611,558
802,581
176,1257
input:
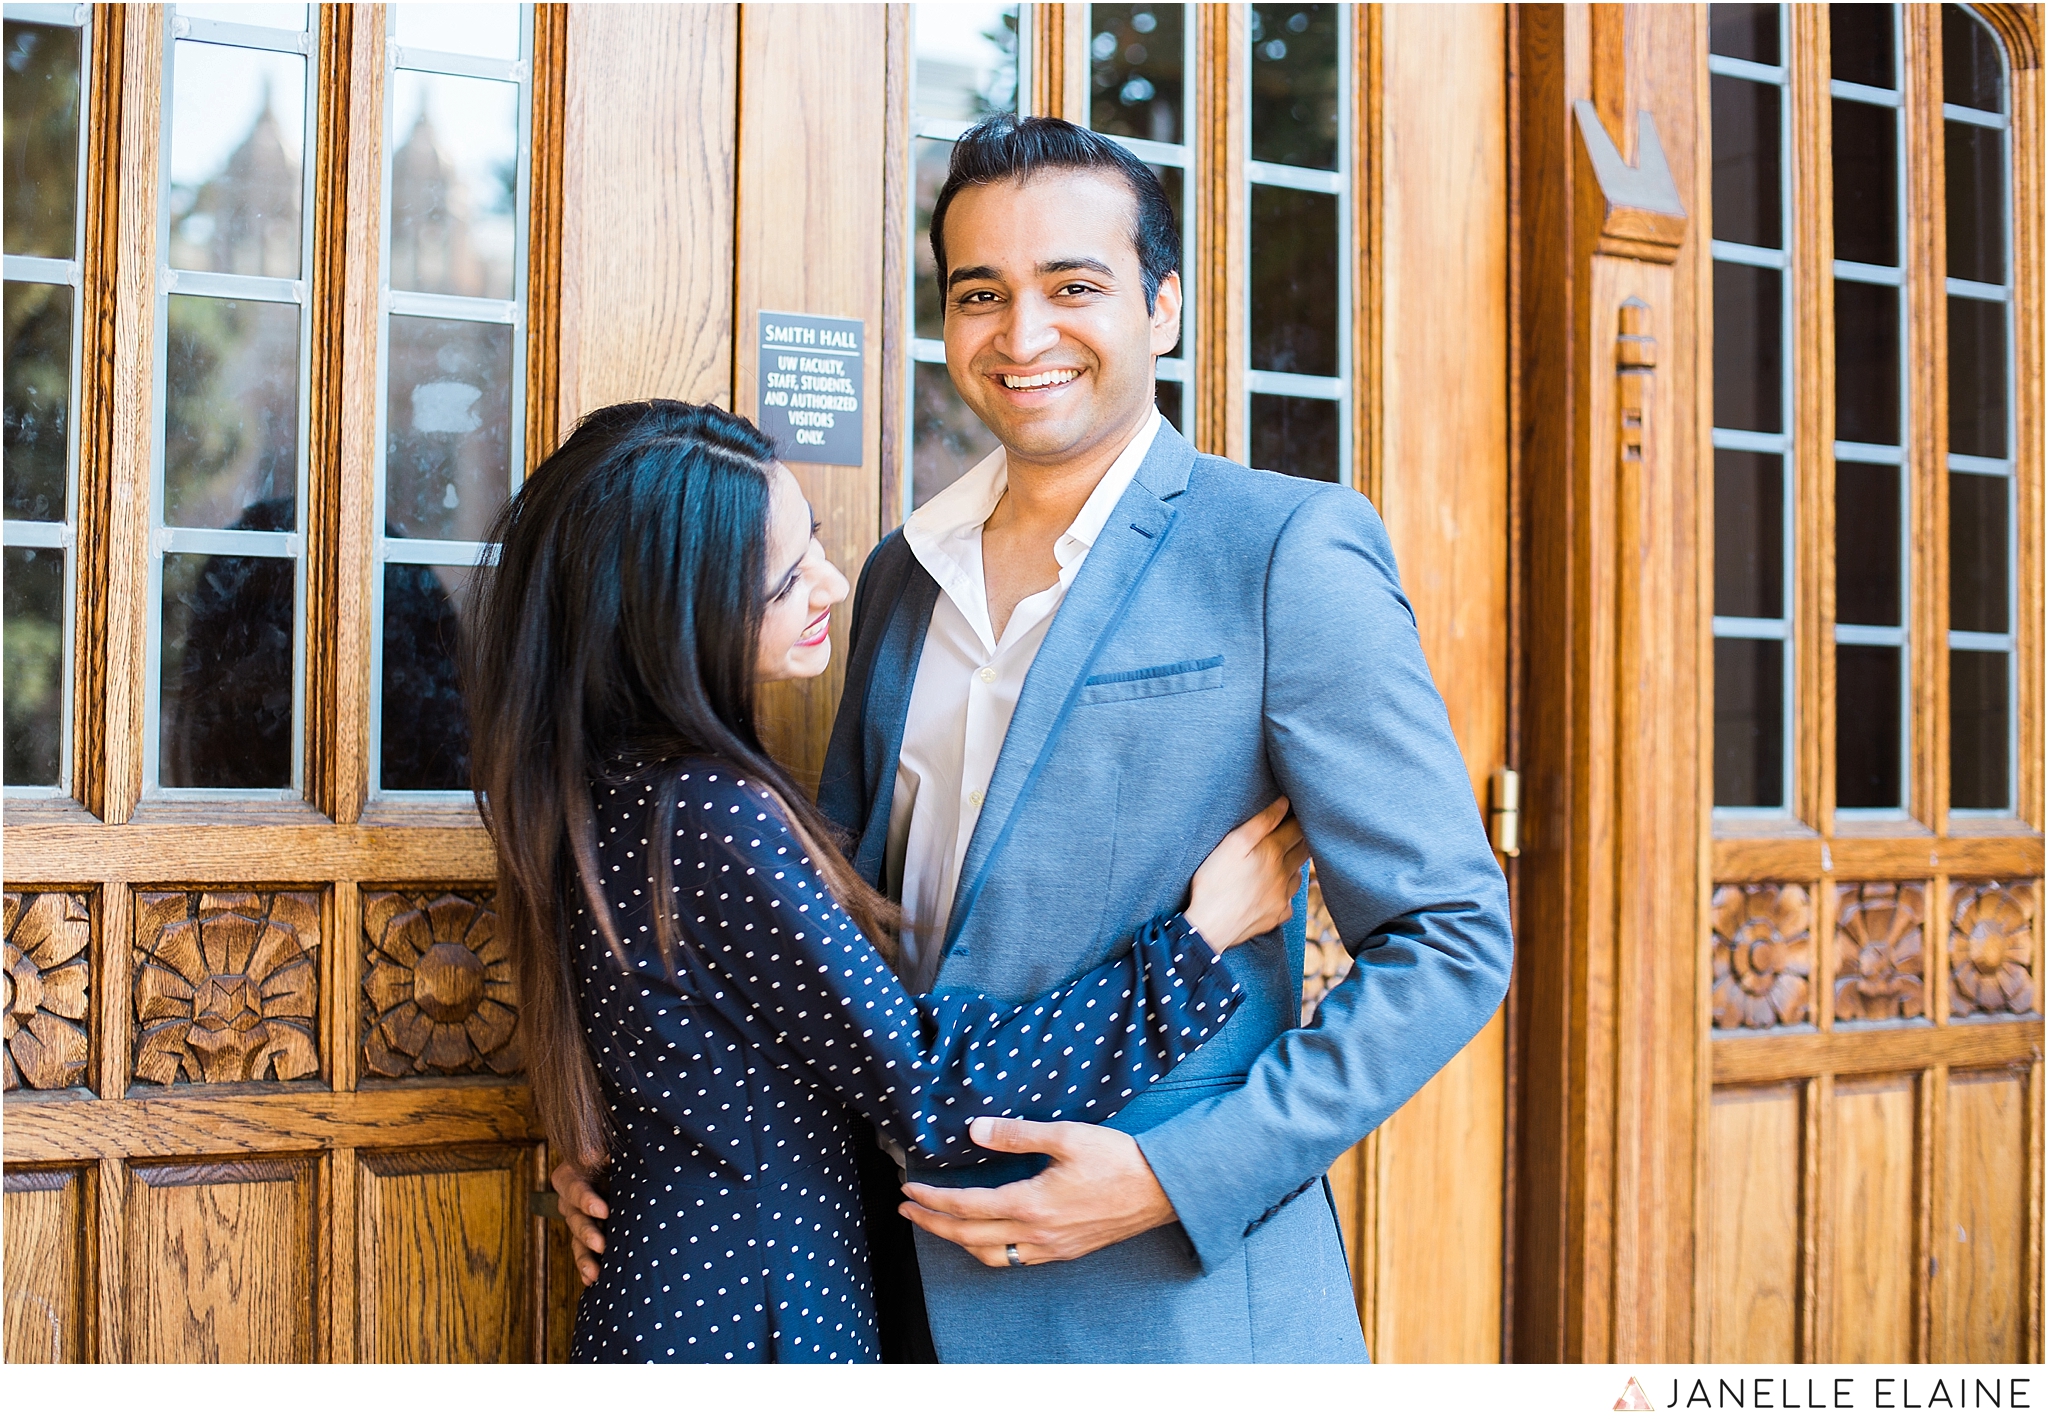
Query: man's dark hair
x,y
1005,148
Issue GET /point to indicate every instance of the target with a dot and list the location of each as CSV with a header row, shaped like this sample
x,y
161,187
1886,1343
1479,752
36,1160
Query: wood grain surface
x,y
1752,1222
813,112
222,853
46,1235
1981,1246
648,153
1870,1222
442,1257
1881,1050
220,1263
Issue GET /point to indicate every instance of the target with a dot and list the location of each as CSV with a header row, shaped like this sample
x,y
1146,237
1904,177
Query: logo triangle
x,y
1633,1400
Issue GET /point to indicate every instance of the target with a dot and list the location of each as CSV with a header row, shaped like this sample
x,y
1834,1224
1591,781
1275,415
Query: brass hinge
x,y
1505,818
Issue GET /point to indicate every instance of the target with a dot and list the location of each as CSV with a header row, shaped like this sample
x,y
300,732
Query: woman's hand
x,y
1247,885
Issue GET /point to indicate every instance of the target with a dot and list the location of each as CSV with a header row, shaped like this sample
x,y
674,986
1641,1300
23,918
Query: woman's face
x,y
803,587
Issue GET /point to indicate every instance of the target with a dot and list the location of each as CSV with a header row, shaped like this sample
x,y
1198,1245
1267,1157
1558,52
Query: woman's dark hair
x,y
1006,147
621,626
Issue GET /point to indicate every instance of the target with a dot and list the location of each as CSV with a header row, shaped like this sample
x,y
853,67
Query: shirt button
x,y
987,674
974,797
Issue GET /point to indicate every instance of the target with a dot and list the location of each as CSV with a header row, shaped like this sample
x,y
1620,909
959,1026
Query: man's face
x,y
1047,335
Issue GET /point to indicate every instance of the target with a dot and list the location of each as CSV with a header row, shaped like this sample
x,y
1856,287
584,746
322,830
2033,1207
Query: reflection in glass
x,y
276,17
1866,167
1743,32
1979,542
238,131
231,414
1974,164
41,95
931,157
1867,691
1980,729
448,427
487,31
38,407
425,732
1866,363
227,672
1869,551
1977,373
1749,344
946,438
454,181
1294,281
966,61
1749,534
1747,187
1860,45
1749,723
1297,436
1166,394
1137,62
33,596
1294,84
1972,68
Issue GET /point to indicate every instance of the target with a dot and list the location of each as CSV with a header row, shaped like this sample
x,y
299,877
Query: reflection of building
x,y
245,219
431,209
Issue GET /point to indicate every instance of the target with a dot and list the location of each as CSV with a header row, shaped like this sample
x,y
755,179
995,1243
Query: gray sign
x,y
810,386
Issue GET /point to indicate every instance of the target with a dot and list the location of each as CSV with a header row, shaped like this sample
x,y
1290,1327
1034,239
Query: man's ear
x,y
1166,315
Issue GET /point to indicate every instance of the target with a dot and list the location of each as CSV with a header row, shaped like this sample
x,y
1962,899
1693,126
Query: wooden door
x,y
264,1097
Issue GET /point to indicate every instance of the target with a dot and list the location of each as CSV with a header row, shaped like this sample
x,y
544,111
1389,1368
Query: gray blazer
x,y
1232,635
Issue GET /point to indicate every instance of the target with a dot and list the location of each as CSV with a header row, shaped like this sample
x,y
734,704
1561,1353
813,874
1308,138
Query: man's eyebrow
x,y
972,273
1074,263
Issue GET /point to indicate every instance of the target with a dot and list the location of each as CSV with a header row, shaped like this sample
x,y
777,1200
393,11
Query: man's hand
x,y
1098,1191
583,1210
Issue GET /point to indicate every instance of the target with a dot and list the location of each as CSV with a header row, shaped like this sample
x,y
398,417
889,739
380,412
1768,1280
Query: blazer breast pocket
x,y
1178,678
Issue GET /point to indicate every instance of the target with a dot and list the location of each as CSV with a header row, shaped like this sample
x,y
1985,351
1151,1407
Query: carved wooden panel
x,y
1763,955
227,986
49,973
443,1253
438,995
220,1262
1983,1239
1752,1217
45,1238
1870,1216
1878,934
1325,962
1991,948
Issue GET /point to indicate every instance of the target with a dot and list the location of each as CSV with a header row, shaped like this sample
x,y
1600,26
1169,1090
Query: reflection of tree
x,y
1294,84
425,729
41,95
947,438
1136,71
33,594
38,400
231,414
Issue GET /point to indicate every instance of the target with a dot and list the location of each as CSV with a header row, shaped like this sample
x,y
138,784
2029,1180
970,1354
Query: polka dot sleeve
x,y
767,946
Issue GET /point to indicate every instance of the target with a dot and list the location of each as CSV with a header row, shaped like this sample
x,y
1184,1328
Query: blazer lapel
x,y
887,707
1093,606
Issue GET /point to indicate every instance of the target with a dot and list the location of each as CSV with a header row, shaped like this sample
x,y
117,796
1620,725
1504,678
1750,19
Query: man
x,y
1072,672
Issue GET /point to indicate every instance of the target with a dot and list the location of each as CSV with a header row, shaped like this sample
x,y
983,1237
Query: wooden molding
x,y
898,197
1879,1050
1220,413
544,235
1642,216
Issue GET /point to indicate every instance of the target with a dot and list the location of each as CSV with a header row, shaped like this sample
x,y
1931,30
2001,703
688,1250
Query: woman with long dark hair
x,y
707,990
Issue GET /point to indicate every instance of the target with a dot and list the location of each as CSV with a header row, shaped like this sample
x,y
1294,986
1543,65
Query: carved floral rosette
x,y
1991,948
227,986
1763,955
1325,961
48,975
1878,939
438,993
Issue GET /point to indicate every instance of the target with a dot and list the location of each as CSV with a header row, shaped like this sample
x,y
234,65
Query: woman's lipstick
x,y
818,631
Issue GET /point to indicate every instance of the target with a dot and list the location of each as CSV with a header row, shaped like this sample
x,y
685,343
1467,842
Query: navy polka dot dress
x,y
736,1086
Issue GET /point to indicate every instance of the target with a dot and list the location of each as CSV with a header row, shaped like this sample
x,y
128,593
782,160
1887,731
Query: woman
x,y
707,983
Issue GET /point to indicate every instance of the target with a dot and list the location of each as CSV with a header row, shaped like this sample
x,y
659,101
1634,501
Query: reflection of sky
x,y
489,31
218,97
282,17
476,128
957,60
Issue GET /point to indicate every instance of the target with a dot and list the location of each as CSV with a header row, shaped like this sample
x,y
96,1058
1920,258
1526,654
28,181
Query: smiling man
x,y
1071,673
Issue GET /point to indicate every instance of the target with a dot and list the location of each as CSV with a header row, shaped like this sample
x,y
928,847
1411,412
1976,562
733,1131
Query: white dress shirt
x,y
967,685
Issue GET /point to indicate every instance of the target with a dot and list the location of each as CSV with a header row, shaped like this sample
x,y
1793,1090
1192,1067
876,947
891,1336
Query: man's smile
x,y
1047,379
